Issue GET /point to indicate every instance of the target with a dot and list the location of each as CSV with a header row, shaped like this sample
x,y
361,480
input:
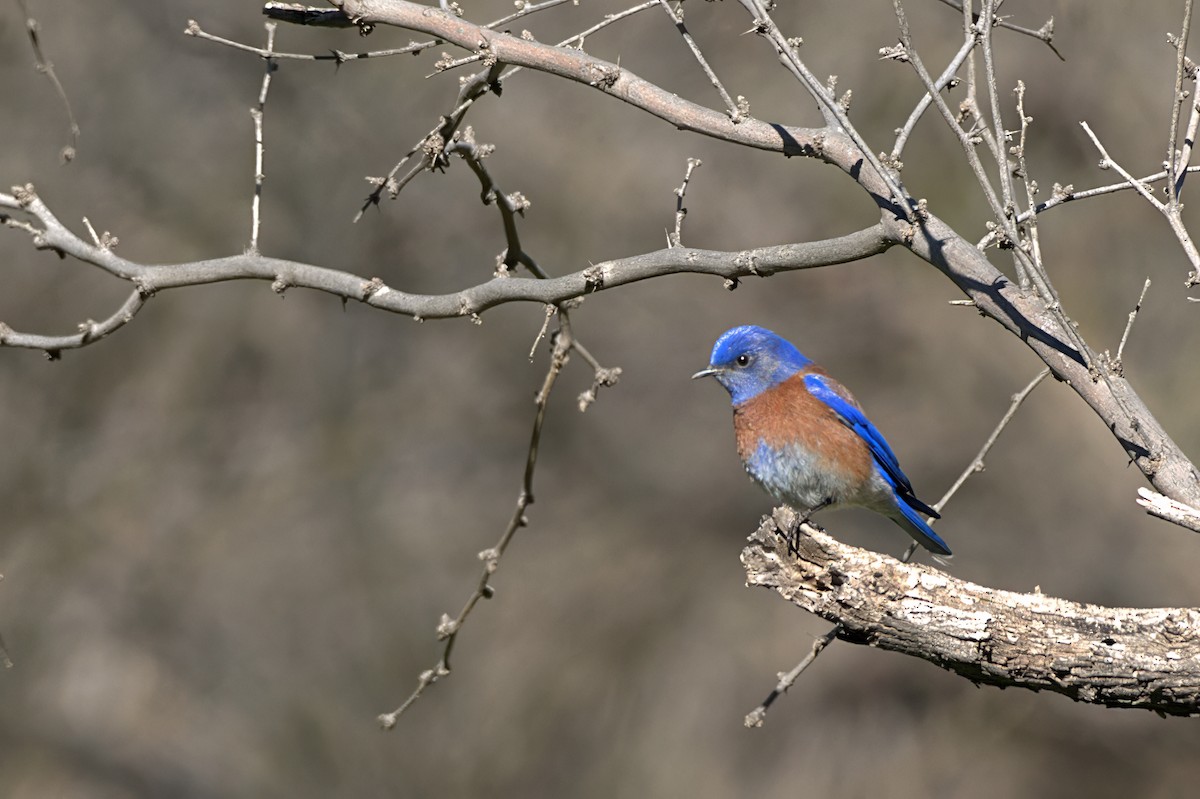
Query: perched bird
x,y
804,438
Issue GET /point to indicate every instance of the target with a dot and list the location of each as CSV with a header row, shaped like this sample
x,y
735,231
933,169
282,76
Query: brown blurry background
x,y
227,532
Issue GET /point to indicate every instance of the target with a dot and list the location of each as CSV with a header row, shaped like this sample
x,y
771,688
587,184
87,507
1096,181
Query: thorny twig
x,y
1183,69
735,112
257,114
832,109
1174,219
676,239
448,628
1116,365
471,90
1043,34
47,68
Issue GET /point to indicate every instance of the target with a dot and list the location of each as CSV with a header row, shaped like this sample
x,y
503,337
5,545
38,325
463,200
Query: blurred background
x,y
227,532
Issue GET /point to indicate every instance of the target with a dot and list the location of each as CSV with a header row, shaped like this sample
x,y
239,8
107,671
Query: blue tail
x,y
908,518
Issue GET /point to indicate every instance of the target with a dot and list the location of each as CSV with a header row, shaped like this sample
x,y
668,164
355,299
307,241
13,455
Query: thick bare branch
x,y
578,66
1117,657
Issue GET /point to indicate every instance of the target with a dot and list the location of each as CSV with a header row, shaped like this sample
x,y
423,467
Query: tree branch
x,y
283,274
1116,657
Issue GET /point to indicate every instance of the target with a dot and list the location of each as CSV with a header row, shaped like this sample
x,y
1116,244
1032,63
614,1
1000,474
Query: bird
x,y
805,440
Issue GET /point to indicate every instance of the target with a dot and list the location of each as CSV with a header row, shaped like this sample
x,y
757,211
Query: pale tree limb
x,y
1169,510
1116,657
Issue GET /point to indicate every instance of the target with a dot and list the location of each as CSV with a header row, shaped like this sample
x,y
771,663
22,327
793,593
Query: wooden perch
x,y
1119,657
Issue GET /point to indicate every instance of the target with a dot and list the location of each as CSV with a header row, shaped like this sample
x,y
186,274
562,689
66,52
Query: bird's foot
x,y
792,534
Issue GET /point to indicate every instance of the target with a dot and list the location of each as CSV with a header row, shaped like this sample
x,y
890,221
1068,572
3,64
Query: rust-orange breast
x,y
787,415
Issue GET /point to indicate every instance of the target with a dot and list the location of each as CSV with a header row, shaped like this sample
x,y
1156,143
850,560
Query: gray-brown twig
x,y
448,628
675,239
47,68
256,114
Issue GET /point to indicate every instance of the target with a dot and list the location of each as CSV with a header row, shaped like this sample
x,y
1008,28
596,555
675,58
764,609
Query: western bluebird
x,y
804,438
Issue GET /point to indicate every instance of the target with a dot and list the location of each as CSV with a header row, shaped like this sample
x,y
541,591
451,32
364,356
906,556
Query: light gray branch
x,y
151,278
1117,657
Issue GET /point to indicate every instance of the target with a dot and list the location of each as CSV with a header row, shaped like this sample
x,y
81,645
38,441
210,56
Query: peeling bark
x,y
1118,657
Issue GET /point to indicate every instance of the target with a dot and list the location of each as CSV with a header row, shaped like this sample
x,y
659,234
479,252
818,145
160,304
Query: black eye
x,y
743,360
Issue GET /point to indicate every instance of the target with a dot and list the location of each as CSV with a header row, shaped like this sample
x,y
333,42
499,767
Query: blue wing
x,y
853,418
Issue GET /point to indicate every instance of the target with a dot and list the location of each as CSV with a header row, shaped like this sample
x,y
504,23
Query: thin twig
x,y
578,39
1065,194
1021,258
945,79
977,465
448,629
833,110
471,89
1043,34
47,68
1003,219
1177,98
89,331
1116,364
1189,142
510,206
931,90
257,114
676,239
1031,226
756,717
1173,219
735,112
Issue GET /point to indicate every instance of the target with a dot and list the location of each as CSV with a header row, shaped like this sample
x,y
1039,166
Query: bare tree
x,y
1116,657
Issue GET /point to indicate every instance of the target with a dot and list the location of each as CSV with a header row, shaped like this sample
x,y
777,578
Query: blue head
x,y
748,360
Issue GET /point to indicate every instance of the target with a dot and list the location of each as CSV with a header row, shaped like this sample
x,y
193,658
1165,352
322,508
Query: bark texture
x,y
1119,657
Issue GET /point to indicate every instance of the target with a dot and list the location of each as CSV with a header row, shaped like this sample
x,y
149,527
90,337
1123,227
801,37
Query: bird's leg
x,y
792,536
